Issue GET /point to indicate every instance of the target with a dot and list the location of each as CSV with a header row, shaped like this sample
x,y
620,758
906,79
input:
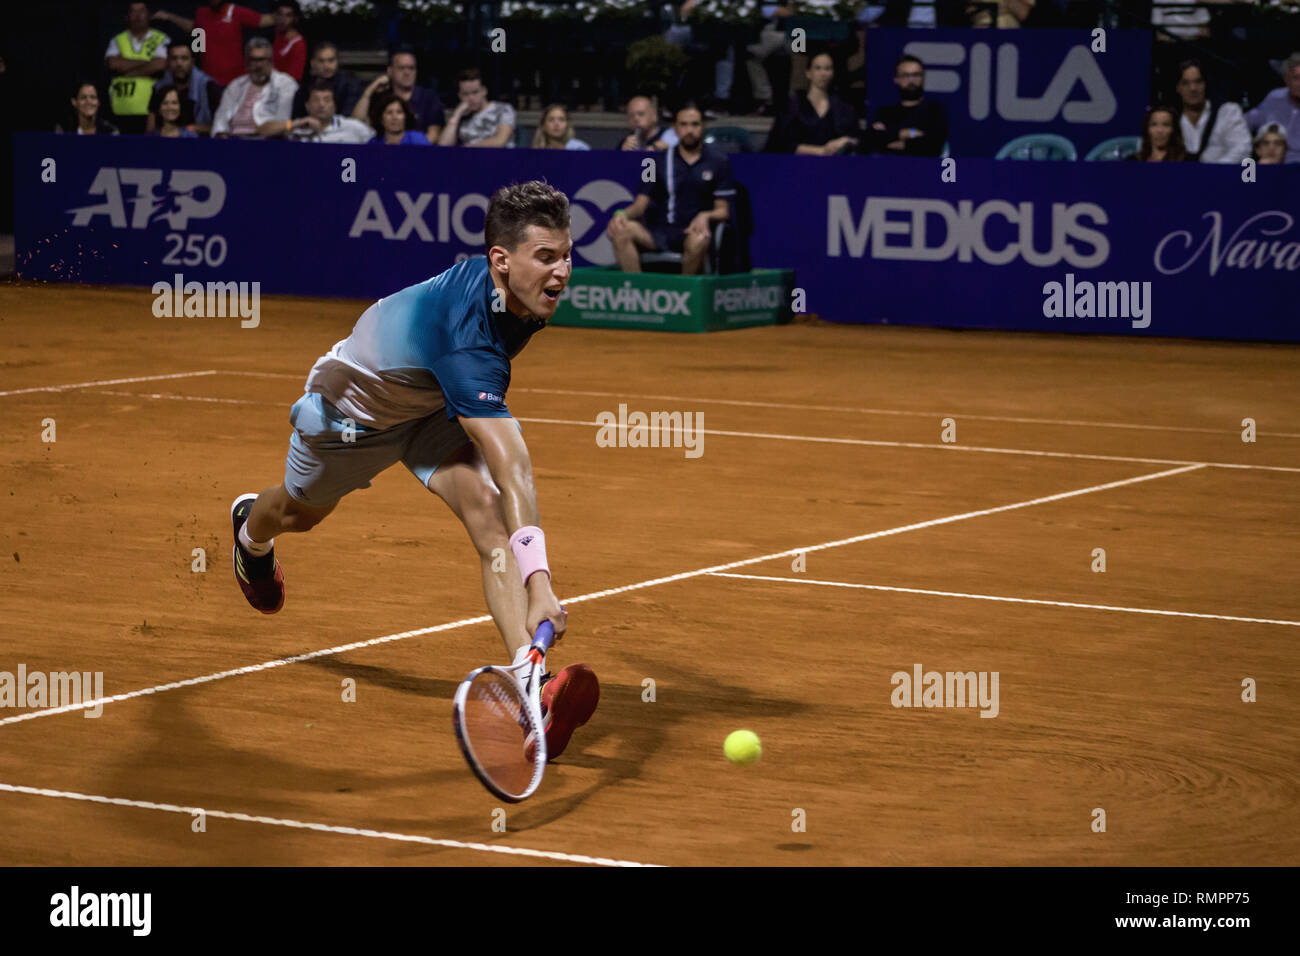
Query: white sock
x,y
521,655
256,548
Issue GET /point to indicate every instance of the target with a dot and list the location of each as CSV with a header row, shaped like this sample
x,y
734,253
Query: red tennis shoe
x,y
568,701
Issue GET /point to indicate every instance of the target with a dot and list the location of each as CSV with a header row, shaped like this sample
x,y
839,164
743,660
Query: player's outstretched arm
x,y
506,456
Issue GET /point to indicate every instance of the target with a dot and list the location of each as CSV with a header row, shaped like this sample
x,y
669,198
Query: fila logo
x,y
1079,66
189,194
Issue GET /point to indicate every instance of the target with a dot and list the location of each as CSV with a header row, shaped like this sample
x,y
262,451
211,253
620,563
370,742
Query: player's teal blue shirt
x,y
432,347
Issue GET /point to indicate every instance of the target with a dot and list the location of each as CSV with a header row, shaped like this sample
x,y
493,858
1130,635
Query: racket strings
x,y
498,723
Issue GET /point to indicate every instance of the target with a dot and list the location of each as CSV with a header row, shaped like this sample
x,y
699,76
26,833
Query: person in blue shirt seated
x,y
394,122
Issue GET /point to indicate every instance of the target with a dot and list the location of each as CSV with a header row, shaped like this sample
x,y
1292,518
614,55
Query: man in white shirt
x,y
322,124
259,103
1212,133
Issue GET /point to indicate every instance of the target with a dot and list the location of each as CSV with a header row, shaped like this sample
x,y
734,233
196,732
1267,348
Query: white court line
x,y
1014,600
250,669
108,381
855,410
653,582
808,438
934,445
190,398
320,827
895,411
727,401
301,378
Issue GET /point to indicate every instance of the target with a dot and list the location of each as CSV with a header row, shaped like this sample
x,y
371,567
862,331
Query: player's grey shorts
x,y
321,467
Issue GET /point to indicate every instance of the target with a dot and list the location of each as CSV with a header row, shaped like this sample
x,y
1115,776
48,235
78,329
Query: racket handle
x,y
544,637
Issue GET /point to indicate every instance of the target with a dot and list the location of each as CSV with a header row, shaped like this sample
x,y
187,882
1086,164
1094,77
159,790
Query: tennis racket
x,y
497,714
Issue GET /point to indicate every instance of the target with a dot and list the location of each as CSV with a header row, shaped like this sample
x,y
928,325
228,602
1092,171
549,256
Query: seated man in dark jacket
x,y
325,66
914,126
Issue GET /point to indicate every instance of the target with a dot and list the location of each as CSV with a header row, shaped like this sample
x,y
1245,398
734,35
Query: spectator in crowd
x,y
322,124
676,211
223,27
478,121
1270,145
394,121
772,40
682,34
259,102
400,77
815,123
172,116
85,119
134,57
289,50
646,131
201,91
915,126
555,131
1212,133
1282,106
1162,142
325,66
1011,14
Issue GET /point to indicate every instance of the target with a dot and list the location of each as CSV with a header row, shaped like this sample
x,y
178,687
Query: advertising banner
x,y
1118,247
1087,86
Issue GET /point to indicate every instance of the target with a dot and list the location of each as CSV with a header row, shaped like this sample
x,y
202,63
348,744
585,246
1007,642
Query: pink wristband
x,y
529,546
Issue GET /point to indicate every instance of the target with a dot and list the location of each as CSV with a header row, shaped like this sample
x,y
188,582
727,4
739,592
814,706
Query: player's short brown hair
x,y
516,207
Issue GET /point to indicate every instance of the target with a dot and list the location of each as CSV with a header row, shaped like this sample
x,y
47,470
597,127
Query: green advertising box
x,y
610,299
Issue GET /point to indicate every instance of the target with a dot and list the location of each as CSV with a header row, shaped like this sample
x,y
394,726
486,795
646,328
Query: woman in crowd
x,y
555,131
172,117
815,123
1270,145
85,119
394,121
1162,140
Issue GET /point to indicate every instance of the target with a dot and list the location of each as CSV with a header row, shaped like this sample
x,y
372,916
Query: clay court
x,y
1119,690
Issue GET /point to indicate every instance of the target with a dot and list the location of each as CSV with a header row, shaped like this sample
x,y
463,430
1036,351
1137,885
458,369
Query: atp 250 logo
x,y
141,198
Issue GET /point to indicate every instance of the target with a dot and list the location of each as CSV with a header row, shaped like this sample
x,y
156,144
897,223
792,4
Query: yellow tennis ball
x,y
742,747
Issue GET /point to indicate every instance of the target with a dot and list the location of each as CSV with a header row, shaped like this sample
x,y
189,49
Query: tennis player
x,y
422,380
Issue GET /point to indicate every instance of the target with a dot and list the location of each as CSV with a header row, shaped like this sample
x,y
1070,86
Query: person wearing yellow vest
x,y
135,57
